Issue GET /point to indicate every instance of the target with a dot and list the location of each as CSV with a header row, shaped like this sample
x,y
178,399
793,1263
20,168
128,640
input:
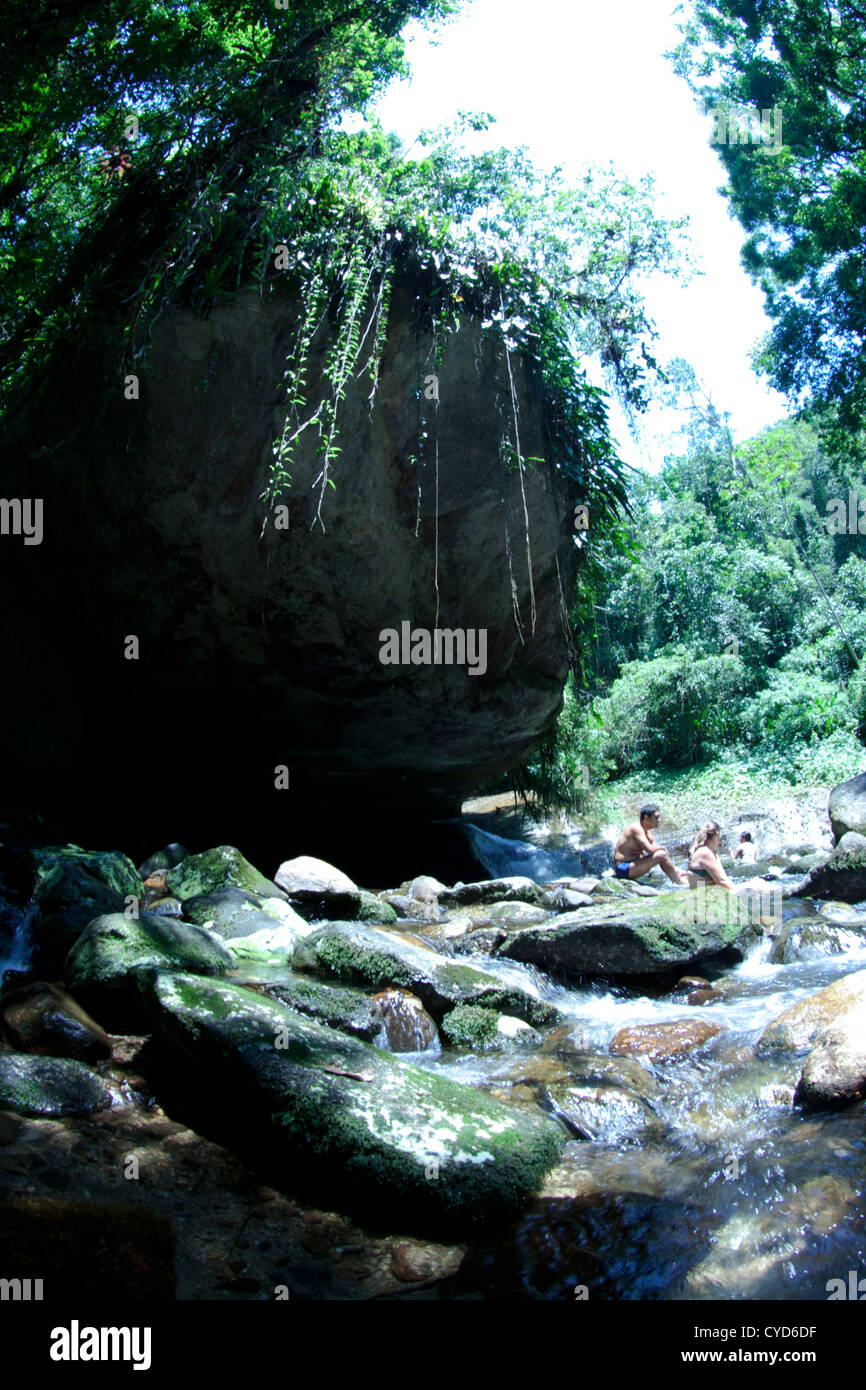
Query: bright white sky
x,y
581,83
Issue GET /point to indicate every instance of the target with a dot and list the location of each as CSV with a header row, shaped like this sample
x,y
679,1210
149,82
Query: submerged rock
x,y
50,1086
660,1041
834,1073
602,1113
797,1028
811,938
370,956
842,876
375,1133
480,943
640,938
213,869
102,964
42,1018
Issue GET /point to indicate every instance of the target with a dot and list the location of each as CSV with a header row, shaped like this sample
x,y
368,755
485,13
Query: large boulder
x,y
102,965
50,1086
641,938
317,890
72,886
796,1029
216,869
834,1073
373,957
842,876
813,938
372,1132
263,640
847,806
234,912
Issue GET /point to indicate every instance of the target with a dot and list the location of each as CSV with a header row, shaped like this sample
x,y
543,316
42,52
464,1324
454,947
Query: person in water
x,y
746,850
704,863
637,850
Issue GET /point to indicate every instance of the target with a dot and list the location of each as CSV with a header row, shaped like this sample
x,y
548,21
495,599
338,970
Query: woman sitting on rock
x,y
704,863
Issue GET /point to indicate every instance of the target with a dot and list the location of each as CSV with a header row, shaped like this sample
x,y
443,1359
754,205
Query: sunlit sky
x,y
580,83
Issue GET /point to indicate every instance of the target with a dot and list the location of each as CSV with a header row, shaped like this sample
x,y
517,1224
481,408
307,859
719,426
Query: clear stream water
x,y
732,1194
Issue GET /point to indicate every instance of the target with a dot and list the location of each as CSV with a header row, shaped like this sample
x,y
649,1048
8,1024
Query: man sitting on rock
x,y
637,850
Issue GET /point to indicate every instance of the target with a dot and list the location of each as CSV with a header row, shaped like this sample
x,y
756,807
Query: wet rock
x,y
404,906
483,942
223,867
834,1073
798,1027
425,889
103,963
660,1041
811,938
700,997
847,807
166,907
377,1133
404,1023
317,890
604,1114
565,900
693,982
842,914
42,1018
71,887
566,1037
338,1006
236,913
370,956
163,860
842,877
374,909
583,886
639,938
511,889
514,914
50,1086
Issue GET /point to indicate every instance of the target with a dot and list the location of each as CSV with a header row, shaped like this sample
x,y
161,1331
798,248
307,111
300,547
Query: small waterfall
x,y
16,936
561,857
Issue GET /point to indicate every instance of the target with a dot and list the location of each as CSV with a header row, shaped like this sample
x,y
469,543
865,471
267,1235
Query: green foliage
x,y
804,208
672,710
796,708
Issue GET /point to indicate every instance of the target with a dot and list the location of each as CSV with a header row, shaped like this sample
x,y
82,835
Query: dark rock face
x,y
261,648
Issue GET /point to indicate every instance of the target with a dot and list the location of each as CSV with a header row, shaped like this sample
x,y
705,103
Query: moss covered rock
x,y
101,966
369,956
812,938
72,886
374,909
472,1027
374,1134
338,1006
667,932
223,867
491,890
234,912
50,1086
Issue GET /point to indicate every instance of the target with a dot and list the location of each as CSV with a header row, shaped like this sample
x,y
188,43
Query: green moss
x,y
375,911
223,867
471,1026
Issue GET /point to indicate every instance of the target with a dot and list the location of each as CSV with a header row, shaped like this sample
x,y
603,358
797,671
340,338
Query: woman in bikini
x,y
704,864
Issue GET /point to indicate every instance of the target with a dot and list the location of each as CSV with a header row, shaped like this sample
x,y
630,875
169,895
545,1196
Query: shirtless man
x,y
637,850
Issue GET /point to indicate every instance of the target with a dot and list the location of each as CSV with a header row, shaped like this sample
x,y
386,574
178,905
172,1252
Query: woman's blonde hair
x,y
711,828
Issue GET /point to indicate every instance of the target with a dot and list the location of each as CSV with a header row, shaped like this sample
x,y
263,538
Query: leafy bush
x,y
674,710
796,708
